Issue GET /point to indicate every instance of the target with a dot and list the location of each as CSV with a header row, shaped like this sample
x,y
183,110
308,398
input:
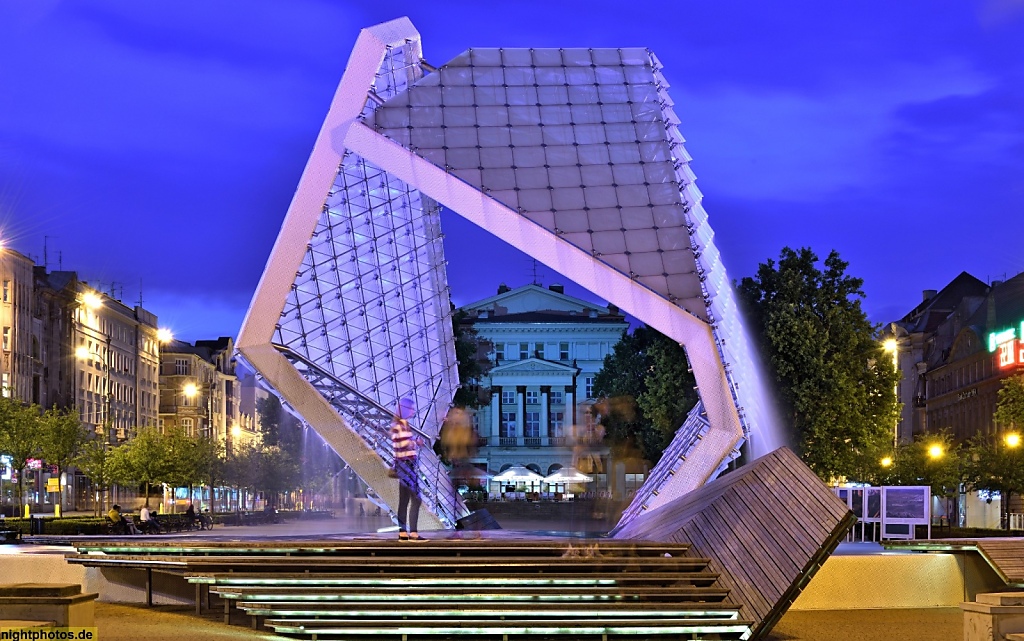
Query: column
x,y
545,411
570,405
520,413
495,414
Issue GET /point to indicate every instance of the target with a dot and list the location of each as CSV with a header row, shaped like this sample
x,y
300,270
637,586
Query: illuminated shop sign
x,y
1008,346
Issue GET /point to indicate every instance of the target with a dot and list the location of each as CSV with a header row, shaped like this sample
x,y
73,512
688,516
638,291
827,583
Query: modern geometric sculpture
x,y
571,155
767,528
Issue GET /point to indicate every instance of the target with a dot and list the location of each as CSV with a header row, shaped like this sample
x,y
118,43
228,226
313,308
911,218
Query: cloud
x,y
802,145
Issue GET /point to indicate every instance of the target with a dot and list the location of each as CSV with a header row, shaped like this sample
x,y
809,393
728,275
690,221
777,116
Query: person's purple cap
x,y
406,408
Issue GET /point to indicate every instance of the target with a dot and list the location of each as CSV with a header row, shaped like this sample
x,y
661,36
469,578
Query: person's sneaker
x,y
416,537
403,536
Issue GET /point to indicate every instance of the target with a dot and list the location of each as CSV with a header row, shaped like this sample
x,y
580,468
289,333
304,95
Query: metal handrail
x,y
689,433
372,422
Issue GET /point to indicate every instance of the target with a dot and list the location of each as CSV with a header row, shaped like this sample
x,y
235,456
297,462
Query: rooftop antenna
x,y
140,292
536,274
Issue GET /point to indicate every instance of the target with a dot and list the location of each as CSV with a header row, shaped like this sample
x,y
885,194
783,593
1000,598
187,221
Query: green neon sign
x,y
995,339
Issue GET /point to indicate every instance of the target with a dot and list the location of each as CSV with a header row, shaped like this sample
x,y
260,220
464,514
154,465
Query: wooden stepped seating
x,y
531,589
484,588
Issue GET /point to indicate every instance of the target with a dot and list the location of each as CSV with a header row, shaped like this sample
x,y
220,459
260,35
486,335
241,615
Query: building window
x,y
532,427
538,350
557,423
563,351
5,385
508,398
181,367
508,425
7,291
588,384
7,338
633,483
524,351
499,352
532,397
557,397
186,425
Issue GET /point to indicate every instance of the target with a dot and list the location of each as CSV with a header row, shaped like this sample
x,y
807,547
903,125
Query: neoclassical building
x,y
546,349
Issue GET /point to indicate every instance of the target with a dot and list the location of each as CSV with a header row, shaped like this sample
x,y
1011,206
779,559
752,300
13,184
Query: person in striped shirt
x,y
405,443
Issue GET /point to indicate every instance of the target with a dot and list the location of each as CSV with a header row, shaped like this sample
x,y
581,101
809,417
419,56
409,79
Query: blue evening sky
x,y
157,143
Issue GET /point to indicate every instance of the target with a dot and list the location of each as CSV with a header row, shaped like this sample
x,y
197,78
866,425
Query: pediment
x,y
532,366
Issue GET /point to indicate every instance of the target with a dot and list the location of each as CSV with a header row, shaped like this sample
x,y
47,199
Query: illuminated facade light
x,y
92,300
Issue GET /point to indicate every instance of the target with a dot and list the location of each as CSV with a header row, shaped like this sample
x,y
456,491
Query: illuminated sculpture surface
x,y
571,155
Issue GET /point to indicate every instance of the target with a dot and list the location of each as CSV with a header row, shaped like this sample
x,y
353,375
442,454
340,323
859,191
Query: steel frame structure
x,y
571,155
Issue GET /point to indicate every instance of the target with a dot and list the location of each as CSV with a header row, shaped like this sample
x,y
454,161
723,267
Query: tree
x,y
191,460
142,460
62,438
278,472
96,463
19,438
1010,404
670,392
833,383
645,391
473,363
270,412
934,460
242,469
994,466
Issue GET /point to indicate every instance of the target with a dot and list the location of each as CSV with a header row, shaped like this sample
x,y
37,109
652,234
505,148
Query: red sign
x,y
1010,353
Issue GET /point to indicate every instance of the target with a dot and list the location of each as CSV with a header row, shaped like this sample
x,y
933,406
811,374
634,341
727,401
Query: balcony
x,y
507,441
532,441
556,441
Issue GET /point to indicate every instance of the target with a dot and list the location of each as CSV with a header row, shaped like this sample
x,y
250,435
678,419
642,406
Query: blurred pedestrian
x,y
458,442
406,444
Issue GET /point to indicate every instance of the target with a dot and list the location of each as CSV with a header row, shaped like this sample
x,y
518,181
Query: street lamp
x,y
935,451
1012,440
191,391
886,461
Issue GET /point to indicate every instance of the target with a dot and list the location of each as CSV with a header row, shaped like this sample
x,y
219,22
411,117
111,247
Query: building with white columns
x,y
546,349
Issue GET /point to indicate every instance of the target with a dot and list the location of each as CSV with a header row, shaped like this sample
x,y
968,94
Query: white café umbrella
x,y
567,475
517,473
